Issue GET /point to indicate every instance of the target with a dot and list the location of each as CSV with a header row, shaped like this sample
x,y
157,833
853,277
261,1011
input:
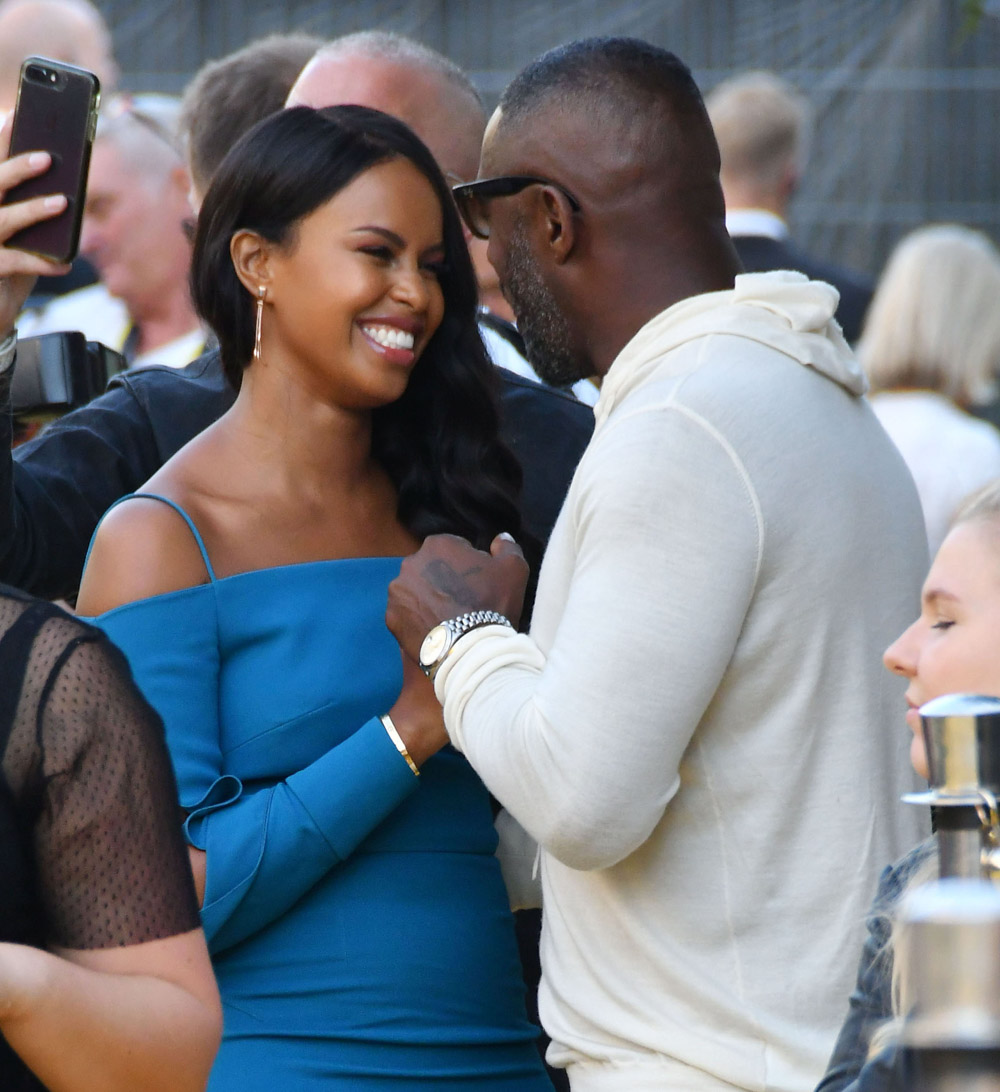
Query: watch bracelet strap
x,y
463,624
8,350
473,619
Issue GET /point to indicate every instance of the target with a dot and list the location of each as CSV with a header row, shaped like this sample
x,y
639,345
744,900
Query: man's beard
x,y
543,326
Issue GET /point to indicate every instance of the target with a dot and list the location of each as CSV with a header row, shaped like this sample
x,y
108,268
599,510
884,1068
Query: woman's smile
x,y
393,339
355,298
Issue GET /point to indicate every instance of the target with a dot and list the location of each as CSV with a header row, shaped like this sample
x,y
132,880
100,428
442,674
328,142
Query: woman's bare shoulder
x,y
142,547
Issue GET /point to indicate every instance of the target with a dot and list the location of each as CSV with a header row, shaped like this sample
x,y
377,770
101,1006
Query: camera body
x,y
56,373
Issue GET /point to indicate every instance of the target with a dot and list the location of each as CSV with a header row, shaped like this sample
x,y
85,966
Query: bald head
x,y
408,80
65,30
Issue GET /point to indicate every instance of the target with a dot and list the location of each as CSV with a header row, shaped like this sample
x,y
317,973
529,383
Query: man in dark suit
x,y
761,124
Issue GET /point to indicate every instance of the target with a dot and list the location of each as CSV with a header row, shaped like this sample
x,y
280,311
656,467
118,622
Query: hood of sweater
x,y
783,310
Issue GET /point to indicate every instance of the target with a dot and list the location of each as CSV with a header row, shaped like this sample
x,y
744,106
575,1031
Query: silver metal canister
x,y
949,947
962,737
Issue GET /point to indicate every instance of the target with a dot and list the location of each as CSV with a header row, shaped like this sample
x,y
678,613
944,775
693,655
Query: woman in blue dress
x,y
343,852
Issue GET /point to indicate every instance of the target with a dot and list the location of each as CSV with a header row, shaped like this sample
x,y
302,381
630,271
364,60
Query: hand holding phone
x,y
18,268
56,112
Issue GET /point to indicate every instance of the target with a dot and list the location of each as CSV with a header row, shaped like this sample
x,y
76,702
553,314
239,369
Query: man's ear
x,y
251,253
560,228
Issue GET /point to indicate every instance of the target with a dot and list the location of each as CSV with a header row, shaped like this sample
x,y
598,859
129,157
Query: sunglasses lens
x,y
473,210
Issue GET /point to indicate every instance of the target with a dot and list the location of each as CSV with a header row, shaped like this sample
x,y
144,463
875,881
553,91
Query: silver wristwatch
x,y
439,642
8,349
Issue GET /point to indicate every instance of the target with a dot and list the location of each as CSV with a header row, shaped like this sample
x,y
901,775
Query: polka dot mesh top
x,y
89,819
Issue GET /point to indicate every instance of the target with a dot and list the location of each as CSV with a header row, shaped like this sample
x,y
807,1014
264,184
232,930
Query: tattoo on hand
x,y
451,583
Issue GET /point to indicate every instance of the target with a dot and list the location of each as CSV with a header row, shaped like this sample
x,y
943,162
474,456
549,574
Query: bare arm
x,y
141,549
125,997
143,1016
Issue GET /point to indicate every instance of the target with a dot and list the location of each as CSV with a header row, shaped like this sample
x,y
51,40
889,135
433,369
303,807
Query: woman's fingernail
x,y
56,201
38,159
505,535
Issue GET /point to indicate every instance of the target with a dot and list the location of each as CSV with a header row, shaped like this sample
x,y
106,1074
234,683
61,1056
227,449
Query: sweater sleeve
x,y
55,488
265,846
580,728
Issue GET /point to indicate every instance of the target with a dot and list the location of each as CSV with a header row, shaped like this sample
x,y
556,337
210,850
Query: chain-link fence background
x,y
906,96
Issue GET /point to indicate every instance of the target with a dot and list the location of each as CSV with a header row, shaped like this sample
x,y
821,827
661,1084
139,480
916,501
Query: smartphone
x,y
56,112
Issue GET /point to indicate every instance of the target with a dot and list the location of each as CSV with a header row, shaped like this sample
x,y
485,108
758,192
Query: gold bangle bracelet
x,y
397,741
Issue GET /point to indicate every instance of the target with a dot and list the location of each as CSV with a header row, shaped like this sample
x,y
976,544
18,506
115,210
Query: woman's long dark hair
x,y
439,441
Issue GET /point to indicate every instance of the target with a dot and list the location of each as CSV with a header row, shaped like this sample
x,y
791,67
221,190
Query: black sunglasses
x,y
471,197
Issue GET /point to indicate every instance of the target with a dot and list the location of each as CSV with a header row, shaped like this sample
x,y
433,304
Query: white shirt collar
x,y
756,222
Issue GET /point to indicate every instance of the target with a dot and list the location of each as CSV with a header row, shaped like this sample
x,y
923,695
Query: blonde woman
x,y
951,648
931,348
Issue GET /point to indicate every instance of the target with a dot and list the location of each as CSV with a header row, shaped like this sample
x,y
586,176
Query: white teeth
x,y
390,337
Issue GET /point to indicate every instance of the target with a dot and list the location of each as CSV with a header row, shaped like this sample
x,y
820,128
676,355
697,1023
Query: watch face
x,y
434,645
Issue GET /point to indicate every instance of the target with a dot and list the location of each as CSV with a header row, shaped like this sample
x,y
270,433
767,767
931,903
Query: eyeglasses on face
x,y
472,197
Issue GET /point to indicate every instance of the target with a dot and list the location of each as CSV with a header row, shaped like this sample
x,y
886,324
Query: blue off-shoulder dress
x,y
358,922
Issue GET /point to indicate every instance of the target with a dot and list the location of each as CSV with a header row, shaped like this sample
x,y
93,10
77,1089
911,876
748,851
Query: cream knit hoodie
x,y
699,731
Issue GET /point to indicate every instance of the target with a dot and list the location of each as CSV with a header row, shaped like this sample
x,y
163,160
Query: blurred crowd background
x,y
905,93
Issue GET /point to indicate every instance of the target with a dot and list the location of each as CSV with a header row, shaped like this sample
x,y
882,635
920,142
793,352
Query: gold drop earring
x,y
261,294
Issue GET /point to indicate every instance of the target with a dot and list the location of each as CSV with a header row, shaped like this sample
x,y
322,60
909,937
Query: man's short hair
x,y
588,69
228,96
761,124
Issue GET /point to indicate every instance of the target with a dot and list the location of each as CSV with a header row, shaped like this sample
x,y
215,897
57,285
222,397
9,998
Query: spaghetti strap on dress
x,y
192,527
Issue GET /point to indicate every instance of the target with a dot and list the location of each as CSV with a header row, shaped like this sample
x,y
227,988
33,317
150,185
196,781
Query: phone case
x,y
56,112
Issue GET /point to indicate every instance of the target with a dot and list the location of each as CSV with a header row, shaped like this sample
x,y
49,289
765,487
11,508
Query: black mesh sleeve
x,y
95,776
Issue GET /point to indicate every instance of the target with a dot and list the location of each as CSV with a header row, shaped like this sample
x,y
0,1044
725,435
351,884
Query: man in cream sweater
x,y
697,730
